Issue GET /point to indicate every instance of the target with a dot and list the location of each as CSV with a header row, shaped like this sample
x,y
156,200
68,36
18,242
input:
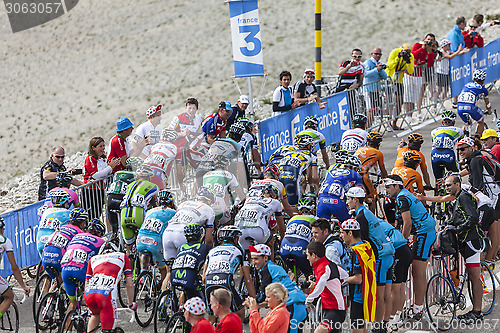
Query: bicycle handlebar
x,y
24,293
132,313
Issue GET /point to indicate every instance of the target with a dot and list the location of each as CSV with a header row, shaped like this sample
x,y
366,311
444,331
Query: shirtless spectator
x,y
119,146
49,171
305,91
214,126
238,110
150,129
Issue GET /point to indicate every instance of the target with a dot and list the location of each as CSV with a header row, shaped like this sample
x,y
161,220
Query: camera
x,y
497,23
405,54
428,43
77,172
440,53
384,66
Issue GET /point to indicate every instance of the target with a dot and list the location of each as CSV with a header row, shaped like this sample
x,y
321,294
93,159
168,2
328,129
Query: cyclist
x,y
249,143
467,101
408,173
81,248
371,156
104,272
139,197
414,215
415,141
444,139
53,218
298,234
311,128
150,236
189,261
222,262
293,162
354,138
270,273
5,289
161,159
339,178
55,248
335,249
221,181
197,211
116,192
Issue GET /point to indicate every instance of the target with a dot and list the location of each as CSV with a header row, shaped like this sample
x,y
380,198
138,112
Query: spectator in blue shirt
x,y
374,72
455,35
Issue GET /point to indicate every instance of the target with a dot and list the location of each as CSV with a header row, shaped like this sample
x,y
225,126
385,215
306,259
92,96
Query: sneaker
x,y
470,317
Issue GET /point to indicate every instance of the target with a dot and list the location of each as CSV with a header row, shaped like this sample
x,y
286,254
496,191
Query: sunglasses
x,y
59,156
473,27
462,148
357,56
448,184
377,53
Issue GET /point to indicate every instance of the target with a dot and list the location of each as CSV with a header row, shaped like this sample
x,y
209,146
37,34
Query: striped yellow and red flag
x,y
367,261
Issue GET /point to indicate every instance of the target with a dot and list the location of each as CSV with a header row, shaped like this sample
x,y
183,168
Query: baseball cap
x,y
444,42
309,71
244,99
356,192
260,249
488,133
225,105
350,224
406,46
123,123
195,305
466,141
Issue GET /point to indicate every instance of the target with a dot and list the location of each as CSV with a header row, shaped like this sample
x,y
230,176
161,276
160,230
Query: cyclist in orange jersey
x,y
415,141
408,173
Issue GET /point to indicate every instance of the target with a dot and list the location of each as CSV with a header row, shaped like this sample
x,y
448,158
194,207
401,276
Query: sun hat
x,y
123,123
244,99
356,192
488,133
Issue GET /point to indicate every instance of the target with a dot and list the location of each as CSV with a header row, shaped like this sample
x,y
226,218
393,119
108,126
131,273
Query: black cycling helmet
x,y
247,123
206,194
78,215
96,227
342,156
411,159
359,120
236,131
221,161
166,198
374,138
416,138
59,198
229,232
63,179
271,190
193,232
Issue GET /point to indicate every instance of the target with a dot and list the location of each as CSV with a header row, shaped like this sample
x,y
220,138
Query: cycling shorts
x,y
471,251
4,285
132,219
51,260
421,248
384,270
290,178
368,185
42,237
294,250
329,205
298,313
333,319
150,244
68,274
473,111
222,280
402,262
442,160
173,239
188,279
357,316
113,205
159,179
257,233
105,306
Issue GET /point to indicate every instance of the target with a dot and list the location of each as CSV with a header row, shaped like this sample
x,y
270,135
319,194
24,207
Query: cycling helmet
x,y
359,120
2,223
353,162
152,110
247,123
97,227
411,157
168,135
271,190
63,179
374,137
221,161
193,231
59,198
236,131
145,171
311,122
165,197
134,163
307,203
79,215
341,156
205,193
498,123
303,141
229,232
448,115
273,170
415,138
479,75
107,248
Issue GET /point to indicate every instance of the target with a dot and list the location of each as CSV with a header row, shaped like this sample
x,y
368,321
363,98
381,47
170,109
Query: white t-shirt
x,y
148,130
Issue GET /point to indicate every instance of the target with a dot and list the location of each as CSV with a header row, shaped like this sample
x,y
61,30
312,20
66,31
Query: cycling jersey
x,y
369,156
55,248
372,231
213,125
121,179
305,90
293,246
410,177
396,237
421,220
465,218
400,160
299,227
5,247
467,101
150,236
222,147
482,176
260,184
248,142
352,139
446,137
318,138
183,122
220,181
161,159
190,259
51,220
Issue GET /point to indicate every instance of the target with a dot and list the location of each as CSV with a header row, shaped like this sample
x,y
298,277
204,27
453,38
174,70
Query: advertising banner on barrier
x,y
333,120
486,58
245,31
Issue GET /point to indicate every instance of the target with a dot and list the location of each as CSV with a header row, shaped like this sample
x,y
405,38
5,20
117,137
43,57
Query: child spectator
x,y
443,67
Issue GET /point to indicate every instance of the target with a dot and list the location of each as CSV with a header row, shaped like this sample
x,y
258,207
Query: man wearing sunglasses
x,y
472,38
351,72
375,72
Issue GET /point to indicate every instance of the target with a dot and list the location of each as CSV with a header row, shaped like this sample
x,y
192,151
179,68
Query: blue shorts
x,y
473,111
42,237
290,178
188,280
442,160
68,274
295,249
52,257
298,313
384,270
150,244
329,205
421,248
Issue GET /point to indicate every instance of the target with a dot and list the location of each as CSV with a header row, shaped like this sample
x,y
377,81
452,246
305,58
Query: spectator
x,y
479,18
455,35
96,168
194,313
490,142
283,95
119,146
305,91
150,129
335,249
220,302
374,73
238,110
443,67
277,319
472,38
49,171
400,61
214,126
351,72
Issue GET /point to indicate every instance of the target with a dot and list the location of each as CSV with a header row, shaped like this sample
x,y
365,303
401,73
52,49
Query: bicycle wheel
x,y
177,324
10,319
31,270
48,316
39,270
145,297
440,302
166,306
122,293
42,288
489,289
74,322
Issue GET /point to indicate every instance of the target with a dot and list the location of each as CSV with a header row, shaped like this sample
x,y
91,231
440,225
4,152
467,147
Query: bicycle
x,y
44,285
10,319
78,321
178,324
441,211
52,310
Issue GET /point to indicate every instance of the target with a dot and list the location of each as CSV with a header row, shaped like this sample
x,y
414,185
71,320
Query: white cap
x,y
244,99
356,192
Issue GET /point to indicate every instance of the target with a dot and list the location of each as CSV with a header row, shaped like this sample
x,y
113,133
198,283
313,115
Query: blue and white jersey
x,y
421,220
471,93
396,237
299,227
226,259
155,222
445,137
338,181
248,142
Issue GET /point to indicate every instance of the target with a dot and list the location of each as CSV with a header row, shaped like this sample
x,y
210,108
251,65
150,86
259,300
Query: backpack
x,y
446,242
495,167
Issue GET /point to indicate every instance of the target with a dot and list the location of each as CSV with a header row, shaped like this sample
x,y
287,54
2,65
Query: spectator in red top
x,y
472,38
96,168
194,313
220,302
120,148
489,139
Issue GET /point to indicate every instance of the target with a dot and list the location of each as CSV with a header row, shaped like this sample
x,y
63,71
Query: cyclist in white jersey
x,y
354,138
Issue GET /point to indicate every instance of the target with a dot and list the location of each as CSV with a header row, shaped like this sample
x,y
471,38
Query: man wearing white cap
x,y
238,110
305,91
194,313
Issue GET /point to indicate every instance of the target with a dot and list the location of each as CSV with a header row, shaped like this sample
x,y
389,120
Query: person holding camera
x,y
351,72
374,72
472,37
